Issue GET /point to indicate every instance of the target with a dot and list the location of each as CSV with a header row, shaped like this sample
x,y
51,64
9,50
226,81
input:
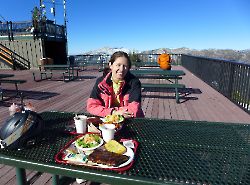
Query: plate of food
x,y
113,155
88,142
115,119
110,160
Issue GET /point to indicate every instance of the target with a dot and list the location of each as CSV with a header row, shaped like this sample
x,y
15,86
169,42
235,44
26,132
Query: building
x,y
23,44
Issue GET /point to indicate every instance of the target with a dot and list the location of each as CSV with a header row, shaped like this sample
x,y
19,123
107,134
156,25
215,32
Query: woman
x,y
117,91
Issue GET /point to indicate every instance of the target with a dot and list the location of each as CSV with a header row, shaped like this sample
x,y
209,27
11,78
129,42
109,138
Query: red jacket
x,y
101,97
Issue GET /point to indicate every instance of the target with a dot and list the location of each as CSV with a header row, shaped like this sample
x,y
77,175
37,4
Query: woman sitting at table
x,y
164,61
117,91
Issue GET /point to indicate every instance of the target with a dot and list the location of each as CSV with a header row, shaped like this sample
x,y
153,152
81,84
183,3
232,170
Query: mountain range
x,y
242,56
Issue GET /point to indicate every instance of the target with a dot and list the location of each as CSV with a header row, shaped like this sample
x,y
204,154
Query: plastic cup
x,y
108,132
81,124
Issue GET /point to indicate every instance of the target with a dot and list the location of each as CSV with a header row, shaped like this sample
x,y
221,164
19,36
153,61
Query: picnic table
x,y
169,152
158,71
6,75
152,73
4,78
47,71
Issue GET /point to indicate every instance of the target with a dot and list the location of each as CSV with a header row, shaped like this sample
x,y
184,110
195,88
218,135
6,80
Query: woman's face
x,y
119,68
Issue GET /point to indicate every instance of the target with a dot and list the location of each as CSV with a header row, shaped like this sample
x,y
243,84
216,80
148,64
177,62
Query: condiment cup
x,y
81,124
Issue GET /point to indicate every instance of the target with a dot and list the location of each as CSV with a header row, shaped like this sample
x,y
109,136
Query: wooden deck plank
x,y
4,170
44,178
8,177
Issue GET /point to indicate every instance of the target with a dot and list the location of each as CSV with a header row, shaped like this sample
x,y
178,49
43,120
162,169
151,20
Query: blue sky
x,y
145,24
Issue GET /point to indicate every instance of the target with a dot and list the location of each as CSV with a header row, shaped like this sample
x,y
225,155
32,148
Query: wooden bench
x,y
11,81
169,86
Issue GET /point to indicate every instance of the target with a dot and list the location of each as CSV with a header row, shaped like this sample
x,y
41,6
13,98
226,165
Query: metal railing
x,y
99,61
38,29
229,78
175,58
149,58
12,59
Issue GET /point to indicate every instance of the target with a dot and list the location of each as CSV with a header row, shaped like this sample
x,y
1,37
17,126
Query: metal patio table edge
x,y
69,171
158,72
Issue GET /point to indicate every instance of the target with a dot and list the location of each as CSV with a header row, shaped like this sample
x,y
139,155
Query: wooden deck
x,y
200,102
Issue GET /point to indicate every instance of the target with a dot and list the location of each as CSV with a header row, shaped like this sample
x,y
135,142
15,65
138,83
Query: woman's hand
x,y
124,113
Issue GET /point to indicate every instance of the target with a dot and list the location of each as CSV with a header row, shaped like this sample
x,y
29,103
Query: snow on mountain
x,y
107,51
226,54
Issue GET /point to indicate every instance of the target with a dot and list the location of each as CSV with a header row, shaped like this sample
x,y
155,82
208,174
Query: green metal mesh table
x,y
169,152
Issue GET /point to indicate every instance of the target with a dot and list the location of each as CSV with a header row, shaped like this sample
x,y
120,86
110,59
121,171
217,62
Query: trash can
x,y
50,61
43,61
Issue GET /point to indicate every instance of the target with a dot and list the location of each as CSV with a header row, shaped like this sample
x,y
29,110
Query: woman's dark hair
x,y
116,55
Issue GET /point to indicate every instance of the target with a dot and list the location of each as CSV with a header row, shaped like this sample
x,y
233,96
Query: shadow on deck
x,y
184,93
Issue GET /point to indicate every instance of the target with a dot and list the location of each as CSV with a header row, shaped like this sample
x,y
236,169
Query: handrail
x,y
6,60
15,58
149,58
230,78
38,29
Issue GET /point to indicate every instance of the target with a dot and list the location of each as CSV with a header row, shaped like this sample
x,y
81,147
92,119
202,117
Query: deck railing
x,y
175,58
229,78
149,58
47,28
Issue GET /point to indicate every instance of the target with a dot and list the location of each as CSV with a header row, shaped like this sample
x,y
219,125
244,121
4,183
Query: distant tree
x,y
36,16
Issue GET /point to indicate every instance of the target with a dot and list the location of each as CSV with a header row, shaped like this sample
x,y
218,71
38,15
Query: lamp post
x,y
65,17
41,30
53,11
42,11
65,26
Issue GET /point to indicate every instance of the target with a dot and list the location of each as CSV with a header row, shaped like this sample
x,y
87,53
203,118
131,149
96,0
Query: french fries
x,y
115,118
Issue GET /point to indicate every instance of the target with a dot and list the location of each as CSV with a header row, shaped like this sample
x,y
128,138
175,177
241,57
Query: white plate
x,y
81,149
130,153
